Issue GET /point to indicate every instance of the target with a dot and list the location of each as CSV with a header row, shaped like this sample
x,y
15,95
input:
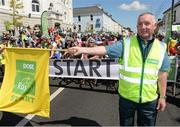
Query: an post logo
x,y
25,81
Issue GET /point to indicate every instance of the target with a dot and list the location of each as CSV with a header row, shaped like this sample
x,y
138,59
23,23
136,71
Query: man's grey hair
x,y
148,13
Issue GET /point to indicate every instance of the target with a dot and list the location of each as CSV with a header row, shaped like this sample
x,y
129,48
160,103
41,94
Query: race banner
x,y
90,69
25,87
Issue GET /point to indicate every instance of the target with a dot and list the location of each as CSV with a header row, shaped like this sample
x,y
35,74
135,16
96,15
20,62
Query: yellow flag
x,y
25,87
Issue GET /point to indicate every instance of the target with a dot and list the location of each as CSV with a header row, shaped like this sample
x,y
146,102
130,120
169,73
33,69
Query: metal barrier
x,y
173,76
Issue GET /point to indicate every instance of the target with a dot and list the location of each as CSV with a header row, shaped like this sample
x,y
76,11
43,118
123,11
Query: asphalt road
x,y
74,106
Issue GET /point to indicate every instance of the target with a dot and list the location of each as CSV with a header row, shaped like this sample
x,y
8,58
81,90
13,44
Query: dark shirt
x,y
145,47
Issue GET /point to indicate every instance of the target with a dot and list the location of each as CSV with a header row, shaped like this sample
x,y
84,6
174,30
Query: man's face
x,y
146,26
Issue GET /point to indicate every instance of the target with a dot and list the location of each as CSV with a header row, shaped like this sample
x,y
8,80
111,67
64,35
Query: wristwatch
x,y
163,97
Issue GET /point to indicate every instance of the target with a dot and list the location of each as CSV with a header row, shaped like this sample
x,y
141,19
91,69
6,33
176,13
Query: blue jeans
x,y
146,113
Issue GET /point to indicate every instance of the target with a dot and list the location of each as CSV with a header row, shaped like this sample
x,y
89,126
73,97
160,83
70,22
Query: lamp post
x,y
172,15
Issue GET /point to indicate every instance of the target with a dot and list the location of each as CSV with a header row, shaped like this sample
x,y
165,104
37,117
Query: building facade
x,y
167,17
94,19
59,11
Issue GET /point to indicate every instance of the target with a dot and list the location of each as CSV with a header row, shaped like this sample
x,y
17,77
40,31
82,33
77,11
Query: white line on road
x,y
29,117
56,93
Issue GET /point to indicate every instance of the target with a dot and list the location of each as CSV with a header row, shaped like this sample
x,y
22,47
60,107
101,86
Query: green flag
x,y
168,31
44,23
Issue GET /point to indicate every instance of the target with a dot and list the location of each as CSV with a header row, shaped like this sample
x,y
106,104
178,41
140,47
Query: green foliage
x,y
8,25
168,31
15,6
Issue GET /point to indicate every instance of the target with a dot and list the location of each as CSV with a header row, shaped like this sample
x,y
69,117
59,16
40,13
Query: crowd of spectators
x,y
58,39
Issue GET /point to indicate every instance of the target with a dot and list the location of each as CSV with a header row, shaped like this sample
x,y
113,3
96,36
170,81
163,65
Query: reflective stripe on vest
x,y
138,70
137,80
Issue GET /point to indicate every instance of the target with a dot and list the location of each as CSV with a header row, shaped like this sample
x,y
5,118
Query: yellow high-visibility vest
x,y
138,79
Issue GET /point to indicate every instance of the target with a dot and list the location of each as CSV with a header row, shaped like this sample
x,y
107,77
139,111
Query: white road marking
x,y
29,117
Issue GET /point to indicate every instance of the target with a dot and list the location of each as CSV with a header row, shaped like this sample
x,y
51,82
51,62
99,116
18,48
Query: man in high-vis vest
x,y
143,67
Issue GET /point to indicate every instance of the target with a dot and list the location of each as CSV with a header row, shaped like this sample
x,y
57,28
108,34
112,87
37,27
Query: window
x,y
169,16
64,2
35,6
91,17
51,5
164,19
174,19
65,15
2,2
67,2
79,26
98,24
79,18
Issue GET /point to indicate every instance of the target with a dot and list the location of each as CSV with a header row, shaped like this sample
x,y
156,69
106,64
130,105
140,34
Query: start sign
x,y
92,69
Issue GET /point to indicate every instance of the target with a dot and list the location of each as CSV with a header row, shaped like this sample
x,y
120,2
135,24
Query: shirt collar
x,y
150,40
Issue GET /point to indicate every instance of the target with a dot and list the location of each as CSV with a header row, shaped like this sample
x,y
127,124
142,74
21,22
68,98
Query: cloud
x,y
134,6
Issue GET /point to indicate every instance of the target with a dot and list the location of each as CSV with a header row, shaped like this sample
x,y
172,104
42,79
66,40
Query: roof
x,y
91,10
87,10
176,5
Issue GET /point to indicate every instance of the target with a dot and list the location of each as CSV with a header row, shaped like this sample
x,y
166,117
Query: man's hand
x,y
99,50
161,104
73,51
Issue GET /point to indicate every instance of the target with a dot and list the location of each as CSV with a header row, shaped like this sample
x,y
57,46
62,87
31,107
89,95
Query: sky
x,y
126,12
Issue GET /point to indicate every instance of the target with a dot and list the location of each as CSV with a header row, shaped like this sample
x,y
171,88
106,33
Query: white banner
x,y
91,69
175,27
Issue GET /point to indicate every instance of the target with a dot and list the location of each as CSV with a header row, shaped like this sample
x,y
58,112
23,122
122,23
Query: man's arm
x,y
100,50
113,51
162,84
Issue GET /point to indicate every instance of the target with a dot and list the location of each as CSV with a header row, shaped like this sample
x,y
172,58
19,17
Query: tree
x,y
8,25
16,5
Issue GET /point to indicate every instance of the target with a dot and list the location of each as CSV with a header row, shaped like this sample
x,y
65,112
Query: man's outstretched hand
x,y
74,51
